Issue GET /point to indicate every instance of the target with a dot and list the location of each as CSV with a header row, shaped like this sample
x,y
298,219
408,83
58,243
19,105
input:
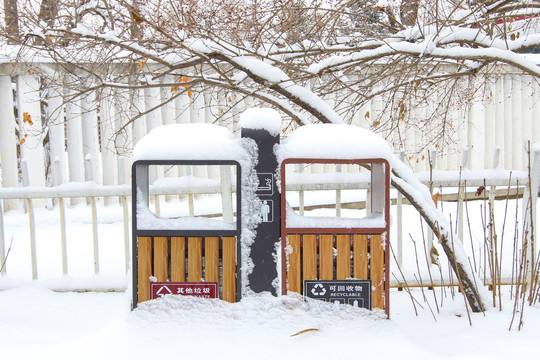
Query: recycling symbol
x,y
318,290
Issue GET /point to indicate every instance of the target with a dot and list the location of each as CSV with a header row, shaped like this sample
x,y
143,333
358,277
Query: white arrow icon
x,y
319,292
164,290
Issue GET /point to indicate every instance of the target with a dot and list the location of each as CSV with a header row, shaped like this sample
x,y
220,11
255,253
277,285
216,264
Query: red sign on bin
x,y
207,290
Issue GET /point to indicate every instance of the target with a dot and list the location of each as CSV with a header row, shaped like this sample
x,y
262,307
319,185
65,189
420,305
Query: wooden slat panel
x,y
229,269
293,273
194,259
360,254
178,259
211,259
377,270
309,248
144,267
161,258
343,260
326,257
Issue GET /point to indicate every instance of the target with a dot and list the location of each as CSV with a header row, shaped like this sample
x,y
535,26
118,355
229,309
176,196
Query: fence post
x,y
90,136
338,195
535,107
74,141
461,195
526,112
400,219
31,132
432,165
8,140
106,122
517,125
226,194
57,180
95,236
507,119
55,114
31,220
534,186
2,243
123,199
89,177
300,192
489,122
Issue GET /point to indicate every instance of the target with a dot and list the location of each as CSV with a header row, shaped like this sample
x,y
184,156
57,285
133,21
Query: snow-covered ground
x,y
40,324
37,322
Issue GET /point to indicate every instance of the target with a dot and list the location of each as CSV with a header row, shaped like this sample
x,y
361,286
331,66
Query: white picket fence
x,y
86,143
85,138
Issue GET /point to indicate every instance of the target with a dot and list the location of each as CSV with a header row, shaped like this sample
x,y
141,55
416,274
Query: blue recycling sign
x,y
353,292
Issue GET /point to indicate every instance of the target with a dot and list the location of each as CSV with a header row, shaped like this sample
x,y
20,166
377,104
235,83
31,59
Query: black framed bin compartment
x,y
185,249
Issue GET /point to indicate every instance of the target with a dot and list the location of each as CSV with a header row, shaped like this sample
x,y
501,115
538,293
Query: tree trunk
x,y
11,15
408,12
48,11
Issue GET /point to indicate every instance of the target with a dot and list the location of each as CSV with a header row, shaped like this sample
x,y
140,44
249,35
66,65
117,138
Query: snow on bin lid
x,y
189,142
261,118
333,141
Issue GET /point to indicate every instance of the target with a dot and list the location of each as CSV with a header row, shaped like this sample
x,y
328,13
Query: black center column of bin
x,y
268,232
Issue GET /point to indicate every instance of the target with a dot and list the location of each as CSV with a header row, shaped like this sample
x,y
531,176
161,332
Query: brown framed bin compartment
x,y
358,249
183,254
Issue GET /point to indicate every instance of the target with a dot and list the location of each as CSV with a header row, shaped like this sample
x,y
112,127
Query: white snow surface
x,y
146,220
40,324
333,141
189,142
296,221
261,118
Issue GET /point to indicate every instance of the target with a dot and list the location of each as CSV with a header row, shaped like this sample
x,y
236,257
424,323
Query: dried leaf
x,y
480,190
138,19
304,331
436,197
27,118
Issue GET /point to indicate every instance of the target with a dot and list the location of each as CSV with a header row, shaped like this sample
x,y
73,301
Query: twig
x,y
429,271
469,225
404,281
7,255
